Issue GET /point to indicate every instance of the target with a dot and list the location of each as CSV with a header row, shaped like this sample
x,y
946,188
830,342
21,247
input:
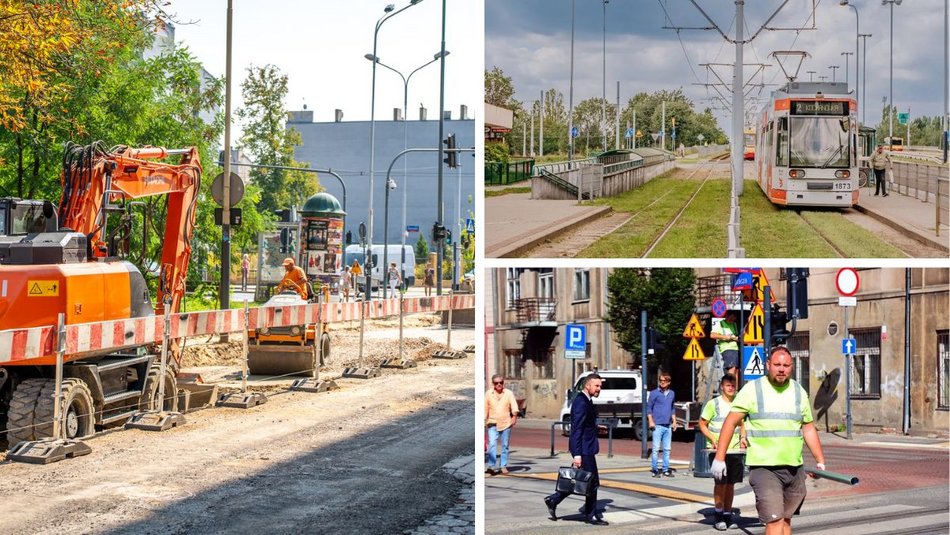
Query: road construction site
x,y
298,462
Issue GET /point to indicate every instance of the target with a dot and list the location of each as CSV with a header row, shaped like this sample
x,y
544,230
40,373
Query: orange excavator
x,y
71,262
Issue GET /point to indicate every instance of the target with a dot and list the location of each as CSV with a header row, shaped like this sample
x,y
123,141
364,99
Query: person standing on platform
x,y
662,422
880,162
584,447
779,422
710,424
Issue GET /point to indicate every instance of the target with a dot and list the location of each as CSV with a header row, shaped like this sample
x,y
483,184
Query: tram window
x,y
781,150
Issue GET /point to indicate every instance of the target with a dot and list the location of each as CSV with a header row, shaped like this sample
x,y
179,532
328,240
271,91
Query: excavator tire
x,y
31,410
273,360
150,401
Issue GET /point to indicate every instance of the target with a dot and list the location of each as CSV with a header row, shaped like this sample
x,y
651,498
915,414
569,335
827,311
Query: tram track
x,y
709,167
837,250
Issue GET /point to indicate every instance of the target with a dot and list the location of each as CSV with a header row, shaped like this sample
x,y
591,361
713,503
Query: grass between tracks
x,y
632,239
770,231
701,231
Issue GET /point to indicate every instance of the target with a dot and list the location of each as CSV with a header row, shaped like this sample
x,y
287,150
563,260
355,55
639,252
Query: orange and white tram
x,y
806,153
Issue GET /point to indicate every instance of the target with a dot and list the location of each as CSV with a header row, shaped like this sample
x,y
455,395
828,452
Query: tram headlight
x,y
796,173
844,173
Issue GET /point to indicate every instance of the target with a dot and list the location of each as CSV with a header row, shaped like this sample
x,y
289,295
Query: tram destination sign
x,y
819,107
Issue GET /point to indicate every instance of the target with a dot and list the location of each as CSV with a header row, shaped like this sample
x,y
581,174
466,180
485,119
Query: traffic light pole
x,y
643,383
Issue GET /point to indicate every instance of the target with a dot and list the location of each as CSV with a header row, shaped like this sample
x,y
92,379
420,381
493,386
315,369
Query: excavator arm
x,y
93,178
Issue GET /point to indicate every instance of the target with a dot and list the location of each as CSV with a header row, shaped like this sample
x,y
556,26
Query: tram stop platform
x,y
911,217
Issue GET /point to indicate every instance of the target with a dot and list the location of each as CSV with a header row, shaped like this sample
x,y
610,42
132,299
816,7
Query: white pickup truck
x,y
621,399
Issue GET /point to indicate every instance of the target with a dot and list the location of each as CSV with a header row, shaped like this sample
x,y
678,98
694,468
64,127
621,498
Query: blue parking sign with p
x,y
575,341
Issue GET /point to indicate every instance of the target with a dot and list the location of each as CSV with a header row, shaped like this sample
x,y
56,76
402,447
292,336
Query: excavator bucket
x,y
280,360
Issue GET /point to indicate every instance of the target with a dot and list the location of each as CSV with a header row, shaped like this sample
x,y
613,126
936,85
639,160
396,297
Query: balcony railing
x,y
533,309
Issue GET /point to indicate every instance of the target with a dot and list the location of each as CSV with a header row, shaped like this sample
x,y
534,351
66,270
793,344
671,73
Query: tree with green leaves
x,y
667,294
269,142
422,249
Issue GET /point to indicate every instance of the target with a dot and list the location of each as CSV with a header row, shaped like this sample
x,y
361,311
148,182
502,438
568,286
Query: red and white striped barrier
x,y
24,344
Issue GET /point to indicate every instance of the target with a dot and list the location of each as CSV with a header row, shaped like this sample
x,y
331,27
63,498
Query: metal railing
x,y
501,173
926,183
559,182
535,309
561,167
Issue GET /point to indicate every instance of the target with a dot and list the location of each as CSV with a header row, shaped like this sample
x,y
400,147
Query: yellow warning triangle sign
x,y
761,281
693,351
35,289
694,329
755,328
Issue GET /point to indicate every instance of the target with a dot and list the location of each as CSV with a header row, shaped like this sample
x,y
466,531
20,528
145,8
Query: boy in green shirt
x,y
710,424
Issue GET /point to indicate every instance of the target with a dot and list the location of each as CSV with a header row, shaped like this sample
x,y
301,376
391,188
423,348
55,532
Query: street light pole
x,y
389,12
603,107
864,72
890,111
857,35
834,72
847,71
405,173
570,98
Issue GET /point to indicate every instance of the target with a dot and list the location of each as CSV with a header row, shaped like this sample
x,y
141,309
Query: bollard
x,y
552,436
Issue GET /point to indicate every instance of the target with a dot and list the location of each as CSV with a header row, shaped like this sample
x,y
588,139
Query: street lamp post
x,y
857,35
389,12
864,71
390,185
890,111
570,98
811,75
405,175
834,72
603,115
847,73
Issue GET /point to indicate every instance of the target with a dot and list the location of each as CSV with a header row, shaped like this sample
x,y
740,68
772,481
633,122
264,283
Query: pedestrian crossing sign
x,y
694,329
693,351
753,362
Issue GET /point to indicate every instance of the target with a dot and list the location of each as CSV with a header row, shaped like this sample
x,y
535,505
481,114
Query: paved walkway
x,y
515,223
911,217
461,517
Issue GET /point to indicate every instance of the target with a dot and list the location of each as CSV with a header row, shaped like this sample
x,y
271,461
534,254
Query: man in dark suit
x,y
584,447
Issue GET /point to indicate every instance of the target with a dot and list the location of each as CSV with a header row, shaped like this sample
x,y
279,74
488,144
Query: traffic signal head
x,y
778,323
654,341
797,292
438,232
448,236
451,158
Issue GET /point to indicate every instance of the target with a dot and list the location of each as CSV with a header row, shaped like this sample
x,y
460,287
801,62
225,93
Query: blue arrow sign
x,y
629,133
848,346
575,132
470,226
575,341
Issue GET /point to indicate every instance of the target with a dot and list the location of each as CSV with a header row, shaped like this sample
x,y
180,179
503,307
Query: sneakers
x,y
721,524
886,194
730,520
490,471
668,473
656,473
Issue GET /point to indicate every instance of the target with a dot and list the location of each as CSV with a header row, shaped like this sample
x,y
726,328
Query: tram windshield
x,y
820,142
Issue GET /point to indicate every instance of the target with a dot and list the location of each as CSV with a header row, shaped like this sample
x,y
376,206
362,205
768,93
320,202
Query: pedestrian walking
x,y
429,279
880,162
710,424
501,415
779,422
394,280
346,281
245,269
662,423
726,335
584,447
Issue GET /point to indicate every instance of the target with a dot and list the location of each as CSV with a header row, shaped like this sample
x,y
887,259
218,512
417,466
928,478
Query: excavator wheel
x,y
149,399
31,410
325,344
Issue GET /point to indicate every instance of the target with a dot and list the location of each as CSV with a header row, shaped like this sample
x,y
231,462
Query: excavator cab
x,y
19,217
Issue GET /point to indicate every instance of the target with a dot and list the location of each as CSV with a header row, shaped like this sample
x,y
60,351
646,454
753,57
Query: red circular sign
x,y
847,282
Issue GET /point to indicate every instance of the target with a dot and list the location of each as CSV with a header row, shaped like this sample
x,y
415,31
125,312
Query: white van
x,y
620,397
355,252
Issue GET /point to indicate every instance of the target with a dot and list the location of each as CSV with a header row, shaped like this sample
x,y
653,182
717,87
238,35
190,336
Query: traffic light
x,y
797,292
779,319
284,239
451,158
655,341
438,232
448,236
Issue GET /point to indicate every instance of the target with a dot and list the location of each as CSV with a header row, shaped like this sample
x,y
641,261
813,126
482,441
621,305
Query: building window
x,y
544,365
581,285
866,368
513,367
546,283
943,374
799,347
514,287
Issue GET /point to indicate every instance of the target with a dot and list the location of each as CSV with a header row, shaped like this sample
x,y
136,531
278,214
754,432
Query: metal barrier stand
x,y
156,418
242,399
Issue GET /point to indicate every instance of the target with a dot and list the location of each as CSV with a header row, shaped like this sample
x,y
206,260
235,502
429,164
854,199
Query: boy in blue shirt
x,y
662,422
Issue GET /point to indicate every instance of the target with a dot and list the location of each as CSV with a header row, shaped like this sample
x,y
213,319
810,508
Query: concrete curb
x,y
519,245
900,227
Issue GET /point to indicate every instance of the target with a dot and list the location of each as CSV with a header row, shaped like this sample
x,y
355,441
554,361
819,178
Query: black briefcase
x,y
574,481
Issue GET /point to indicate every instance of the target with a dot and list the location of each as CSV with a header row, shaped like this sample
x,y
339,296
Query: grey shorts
x,y
779,491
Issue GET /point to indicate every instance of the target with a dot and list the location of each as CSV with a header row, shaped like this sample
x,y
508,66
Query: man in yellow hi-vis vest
x,y
779,421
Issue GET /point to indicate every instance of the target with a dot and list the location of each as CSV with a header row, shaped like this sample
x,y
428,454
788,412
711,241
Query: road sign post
x,y
847,282
694,331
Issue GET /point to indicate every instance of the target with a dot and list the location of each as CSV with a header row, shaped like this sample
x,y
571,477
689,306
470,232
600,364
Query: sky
x,y
530,41
320,46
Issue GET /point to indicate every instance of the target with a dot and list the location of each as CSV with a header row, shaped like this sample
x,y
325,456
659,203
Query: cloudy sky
x,y
530,40
320,46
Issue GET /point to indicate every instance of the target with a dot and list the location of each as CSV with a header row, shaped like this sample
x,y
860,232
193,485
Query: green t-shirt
x,y
715,412
726,329
775,419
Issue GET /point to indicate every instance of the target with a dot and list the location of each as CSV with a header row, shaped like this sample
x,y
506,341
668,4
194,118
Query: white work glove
x,y
820,466
718,469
